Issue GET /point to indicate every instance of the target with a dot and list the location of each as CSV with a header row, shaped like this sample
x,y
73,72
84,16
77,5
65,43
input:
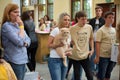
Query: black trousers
x,y
86,66
31,56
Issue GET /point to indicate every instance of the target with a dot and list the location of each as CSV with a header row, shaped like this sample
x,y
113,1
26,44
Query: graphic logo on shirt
x,y
112,36
82,38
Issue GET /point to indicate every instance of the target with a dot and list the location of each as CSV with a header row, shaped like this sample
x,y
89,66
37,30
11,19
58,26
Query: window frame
x,y
72,1
49,4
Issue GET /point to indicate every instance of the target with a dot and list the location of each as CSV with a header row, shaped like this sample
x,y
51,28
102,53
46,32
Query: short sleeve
x,y
54,32
99,35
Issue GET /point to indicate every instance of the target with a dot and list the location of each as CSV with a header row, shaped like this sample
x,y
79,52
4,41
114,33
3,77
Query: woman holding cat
x,y
55,62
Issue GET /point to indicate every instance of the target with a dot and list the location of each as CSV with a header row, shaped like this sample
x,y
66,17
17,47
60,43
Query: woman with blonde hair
x,y
55,62
14,40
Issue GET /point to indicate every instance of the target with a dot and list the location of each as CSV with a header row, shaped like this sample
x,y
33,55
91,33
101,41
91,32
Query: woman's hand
x,y
68,53
21,26
19,21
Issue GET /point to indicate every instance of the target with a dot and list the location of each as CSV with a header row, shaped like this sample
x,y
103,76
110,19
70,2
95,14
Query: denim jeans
x,y
85,65
105,68
19,70
57,69
94,67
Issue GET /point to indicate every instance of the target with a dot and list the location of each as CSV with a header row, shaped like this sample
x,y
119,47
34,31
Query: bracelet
x,y
21,27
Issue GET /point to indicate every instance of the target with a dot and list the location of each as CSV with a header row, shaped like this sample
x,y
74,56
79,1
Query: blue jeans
x,y
94,67
57,69
19,70
105,68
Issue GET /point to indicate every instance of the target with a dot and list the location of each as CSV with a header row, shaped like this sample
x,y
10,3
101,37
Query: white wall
x,y
59,7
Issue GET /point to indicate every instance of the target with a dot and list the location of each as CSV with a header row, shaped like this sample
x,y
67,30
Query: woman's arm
x,y
21,26
50,42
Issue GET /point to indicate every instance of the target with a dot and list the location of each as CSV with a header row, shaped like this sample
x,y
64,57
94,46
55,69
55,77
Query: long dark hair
x,y
25,15
42,23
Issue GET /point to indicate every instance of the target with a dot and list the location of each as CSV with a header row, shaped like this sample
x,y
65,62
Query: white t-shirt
x,y
96,28
53,53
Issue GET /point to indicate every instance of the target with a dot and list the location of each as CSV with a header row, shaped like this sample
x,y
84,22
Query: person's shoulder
x,y
92,19
28,21
5,25
101,28
55,30
101,18
88,25
113,28
73,27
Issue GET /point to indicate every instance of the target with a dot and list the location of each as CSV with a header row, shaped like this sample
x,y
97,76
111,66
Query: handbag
x,y
114,52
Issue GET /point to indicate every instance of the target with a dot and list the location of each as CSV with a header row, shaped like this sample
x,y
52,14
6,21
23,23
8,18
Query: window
x,y
75,7
25,2
87,7
50,8
42,8
46,7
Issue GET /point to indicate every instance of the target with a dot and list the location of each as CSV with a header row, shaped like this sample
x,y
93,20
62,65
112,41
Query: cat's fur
x,y
63,37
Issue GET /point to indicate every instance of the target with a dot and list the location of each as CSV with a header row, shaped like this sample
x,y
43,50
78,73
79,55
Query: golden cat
x,y
63,37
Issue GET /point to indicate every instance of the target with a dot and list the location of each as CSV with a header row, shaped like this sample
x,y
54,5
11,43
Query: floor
x,y
44,72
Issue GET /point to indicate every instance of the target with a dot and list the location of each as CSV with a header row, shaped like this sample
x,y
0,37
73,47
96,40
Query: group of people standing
x,y
91,45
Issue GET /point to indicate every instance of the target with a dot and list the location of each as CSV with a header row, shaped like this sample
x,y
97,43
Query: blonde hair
x,y
60,20
118,31
10,7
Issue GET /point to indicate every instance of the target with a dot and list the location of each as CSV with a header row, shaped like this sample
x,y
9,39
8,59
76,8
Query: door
x,y
109,7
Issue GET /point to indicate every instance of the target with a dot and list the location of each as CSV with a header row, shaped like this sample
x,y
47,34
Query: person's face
x,y
13,15
98,12
41,21
82,21
109,19
45,18
66,21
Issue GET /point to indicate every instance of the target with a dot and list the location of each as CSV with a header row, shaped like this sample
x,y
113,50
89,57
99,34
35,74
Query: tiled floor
x,y
44,72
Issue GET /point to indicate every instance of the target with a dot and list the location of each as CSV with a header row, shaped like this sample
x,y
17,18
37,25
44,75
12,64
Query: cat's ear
x,y
61,30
